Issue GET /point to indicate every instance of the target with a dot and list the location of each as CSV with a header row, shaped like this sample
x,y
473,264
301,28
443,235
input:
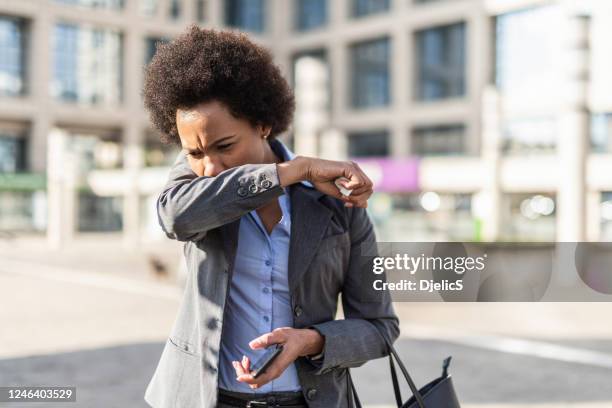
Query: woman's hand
x,y
296,343
322,174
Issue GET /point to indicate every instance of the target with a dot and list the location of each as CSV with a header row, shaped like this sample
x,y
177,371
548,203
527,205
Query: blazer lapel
x,y
309,220
229,233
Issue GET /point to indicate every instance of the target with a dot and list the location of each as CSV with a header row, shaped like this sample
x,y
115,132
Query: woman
x,y
270,242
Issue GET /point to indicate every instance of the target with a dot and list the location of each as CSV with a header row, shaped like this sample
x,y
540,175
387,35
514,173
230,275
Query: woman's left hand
x,y
296,343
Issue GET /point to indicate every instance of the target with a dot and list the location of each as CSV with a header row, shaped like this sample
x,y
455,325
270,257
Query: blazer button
x,y
266,184
311,393
253,188
242,192
297,310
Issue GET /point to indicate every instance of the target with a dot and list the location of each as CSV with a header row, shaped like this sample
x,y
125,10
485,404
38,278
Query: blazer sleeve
x,y
352,341
189,206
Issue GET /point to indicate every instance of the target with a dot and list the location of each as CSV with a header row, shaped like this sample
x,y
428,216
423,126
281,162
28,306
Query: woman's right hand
x,y
322,174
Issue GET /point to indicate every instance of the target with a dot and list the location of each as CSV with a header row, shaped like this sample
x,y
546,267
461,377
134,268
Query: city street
x,y
104,332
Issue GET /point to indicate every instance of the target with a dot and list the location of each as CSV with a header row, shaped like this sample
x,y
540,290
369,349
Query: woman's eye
x,y
224,146
194,154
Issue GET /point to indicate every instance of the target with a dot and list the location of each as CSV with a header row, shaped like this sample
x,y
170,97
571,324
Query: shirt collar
x,y
280,149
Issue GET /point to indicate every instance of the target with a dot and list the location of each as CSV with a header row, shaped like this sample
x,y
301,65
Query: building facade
x,y
478,119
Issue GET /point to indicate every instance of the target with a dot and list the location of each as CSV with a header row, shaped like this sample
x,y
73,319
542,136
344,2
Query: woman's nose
x,y
212,167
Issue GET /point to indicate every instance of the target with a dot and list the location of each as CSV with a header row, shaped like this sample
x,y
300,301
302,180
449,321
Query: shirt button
x,y
266,290
268,262
266,318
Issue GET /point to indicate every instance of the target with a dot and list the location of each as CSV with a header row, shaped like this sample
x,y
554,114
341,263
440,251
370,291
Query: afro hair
x,y
202,65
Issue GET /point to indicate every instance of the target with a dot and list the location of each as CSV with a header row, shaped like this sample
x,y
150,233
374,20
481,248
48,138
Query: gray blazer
x,y
324,258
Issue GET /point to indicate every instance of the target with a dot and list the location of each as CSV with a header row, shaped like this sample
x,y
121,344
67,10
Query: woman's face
x,y
214,140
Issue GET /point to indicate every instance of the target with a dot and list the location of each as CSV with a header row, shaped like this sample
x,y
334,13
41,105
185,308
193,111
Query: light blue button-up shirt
x,y
259,300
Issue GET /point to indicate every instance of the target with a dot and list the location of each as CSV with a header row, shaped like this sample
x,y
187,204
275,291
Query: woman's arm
x,y
189,205
352,341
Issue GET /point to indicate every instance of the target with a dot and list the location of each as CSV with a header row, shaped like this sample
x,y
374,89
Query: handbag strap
x,y
396,387
352,389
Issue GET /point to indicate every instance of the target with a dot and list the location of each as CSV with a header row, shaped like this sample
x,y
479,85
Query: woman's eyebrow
x,y
221,139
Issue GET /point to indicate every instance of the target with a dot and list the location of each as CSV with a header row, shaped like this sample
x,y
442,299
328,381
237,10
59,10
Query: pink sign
x,y
391,175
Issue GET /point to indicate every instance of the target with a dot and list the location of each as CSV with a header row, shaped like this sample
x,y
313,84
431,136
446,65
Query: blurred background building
x,y
477,119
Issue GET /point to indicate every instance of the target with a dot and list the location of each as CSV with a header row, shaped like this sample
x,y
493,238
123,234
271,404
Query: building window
x,y
366,7
148,8
601,133
439,140
310,14
368,144
370,74
426,216
175,9
99,214
108,4
87,64
12,56
529,135
151,44
201,10
245,14
13,151
440,62
528,52
606,216
158,154
529,217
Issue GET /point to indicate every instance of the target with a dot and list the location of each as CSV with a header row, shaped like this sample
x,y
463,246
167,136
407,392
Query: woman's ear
x,y
265,131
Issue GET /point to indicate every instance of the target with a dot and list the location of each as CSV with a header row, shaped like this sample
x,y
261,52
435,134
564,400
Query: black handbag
x,y
438,393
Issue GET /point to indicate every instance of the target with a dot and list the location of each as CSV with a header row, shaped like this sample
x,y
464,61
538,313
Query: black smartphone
x,y
265,360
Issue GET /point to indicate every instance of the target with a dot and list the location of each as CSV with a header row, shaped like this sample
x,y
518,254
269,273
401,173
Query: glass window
x,y
370,74
245,14
149,7
156,153
529,217
109,4
440,62
439,140
12,56
99,214
23,210
13,151
528,52
201,10
365,144
175,9
87,64
606,216
310,14
151,44
529,135
366,7
601,132
424,216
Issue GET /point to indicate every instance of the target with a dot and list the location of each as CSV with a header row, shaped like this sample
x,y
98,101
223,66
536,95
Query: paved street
x,y
104,332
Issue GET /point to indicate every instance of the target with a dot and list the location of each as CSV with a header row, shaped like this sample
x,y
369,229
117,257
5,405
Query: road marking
x,y
92,279
513,345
